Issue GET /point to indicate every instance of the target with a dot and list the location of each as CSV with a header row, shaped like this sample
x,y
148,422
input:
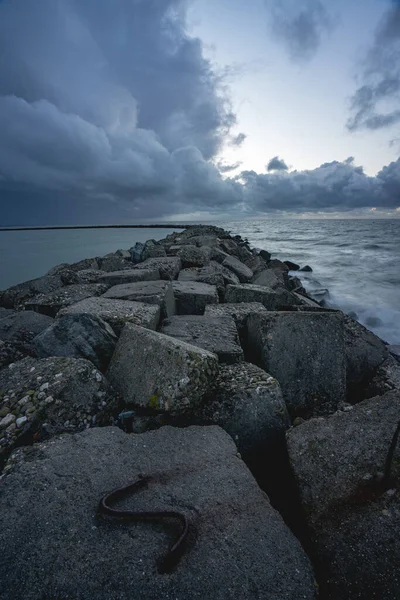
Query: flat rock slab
x,y
21,327
129,276
78,336
355,523
216,334
239,312
50,304
168,266
149,292
159,373
271,299
305,352
117,312
48,396
238,547
238,268
192,297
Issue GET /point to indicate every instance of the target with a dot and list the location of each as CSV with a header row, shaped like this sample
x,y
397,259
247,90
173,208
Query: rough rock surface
x,y
50,395
113,262
156,372
152,249
129,276
238,268
305,352
50,304
239,312
19,328
271,299
192,297
16,295
355,521
9,353
117,312
211,274
238,546
159,293
191,256
168,267
78,336
215,334
271,278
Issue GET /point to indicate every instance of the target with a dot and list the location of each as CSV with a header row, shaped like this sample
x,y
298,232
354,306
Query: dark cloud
x,y
300,25
239,139
376,103
277,164
222,168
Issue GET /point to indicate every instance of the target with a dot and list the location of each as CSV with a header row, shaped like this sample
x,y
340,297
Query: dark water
x,y
358,260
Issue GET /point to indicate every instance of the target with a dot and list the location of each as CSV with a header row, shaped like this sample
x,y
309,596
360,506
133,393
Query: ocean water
x,y
357,260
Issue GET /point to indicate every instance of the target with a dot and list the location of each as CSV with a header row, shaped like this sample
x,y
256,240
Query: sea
x,y
356,260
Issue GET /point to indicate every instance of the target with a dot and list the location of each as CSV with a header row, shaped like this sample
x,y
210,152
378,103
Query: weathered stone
x,y
129,276
307,269
271,299
117,312
306,301
50,304
168,266
113,262
124,254
277,264
136,252
51,392
305,352
387,378
218,255
9,353
238,547
20,328
89,275
17,295
85,264
212,274
78,336
239,312
292,266
238,268
353,515
178,386
153,250
192,297
173,250
272,278
191,256
265,255
6,312
149,292
215,334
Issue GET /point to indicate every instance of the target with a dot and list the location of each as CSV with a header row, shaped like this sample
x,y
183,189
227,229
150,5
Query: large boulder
x,y
211,274
159,293
272,278
152,249
191,256
113,262
239,312
216,334
352,510
78,336
305,352
271,299
50,304
168,266
48,396
20,328
116,312
192,297
238,546
129,276
17,295
158,373
238,268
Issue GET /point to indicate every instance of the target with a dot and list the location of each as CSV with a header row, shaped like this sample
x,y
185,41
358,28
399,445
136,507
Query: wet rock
x,y
129,276
54,394
117,312
50,304
233,530
272,278
179,385
305,352
239,312
248,292
168,266
353,514
265,255
292,266
306,301
306,269
78,336
238,268
20,328
159,293
277,265
192,297
191,256
17,295
215,334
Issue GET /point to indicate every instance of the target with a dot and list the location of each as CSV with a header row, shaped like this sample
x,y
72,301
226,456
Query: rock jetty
x,y
181,420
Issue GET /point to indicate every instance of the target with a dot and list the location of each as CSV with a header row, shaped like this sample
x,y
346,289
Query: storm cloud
x,y
277,164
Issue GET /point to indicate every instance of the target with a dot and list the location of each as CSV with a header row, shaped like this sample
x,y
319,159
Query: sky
x,y
130,111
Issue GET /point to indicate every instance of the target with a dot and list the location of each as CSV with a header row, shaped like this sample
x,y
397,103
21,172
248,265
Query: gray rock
x,y
136,252
173,250
17,295
20,328
117,312
9,353
212,274
50,304
238,268
89,275
113,262
306,301
191,256
241,546
265,255
55,394
271,299
354,521
6,312
153,250
85,264
218,255
387,378
78,336
192,297
277,264
305,352
124,254
168,266
248,404
215,334
272,278
149,292
156,372
129,276
239,312
292,266
210,241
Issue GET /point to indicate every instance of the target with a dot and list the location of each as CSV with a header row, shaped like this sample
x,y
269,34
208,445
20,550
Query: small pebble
x,y
7,420
44,386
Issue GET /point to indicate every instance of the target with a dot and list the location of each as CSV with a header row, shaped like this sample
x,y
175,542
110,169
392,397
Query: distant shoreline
x,y
152,226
